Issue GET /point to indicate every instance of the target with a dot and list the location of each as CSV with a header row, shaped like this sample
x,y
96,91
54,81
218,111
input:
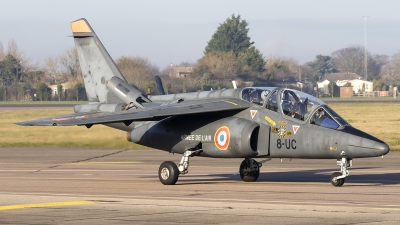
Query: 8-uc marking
x,y
289,143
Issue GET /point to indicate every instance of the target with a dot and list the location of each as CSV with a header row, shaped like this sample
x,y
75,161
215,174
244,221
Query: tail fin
x,y
159,85
96,64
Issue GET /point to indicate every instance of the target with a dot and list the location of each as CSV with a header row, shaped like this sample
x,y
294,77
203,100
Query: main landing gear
x,y
338,178
249,170
168,173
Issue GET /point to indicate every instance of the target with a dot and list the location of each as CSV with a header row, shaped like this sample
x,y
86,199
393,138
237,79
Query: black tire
x,y
248,177
337,182
168,173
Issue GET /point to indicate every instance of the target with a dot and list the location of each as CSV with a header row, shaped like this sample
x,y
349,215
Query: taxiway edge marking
x,y
43,205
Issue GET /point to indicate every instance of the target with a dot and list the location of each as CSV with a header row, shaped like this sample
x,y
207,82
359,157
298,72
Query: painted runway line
x,y
43,205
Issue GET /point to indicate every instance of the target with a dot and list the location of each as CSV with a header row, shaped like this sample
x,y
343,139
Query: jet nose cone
x,y
382,147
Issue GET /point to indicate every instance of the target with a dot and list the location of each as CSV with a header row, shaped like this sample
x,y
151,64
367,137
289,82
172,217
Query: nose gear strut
x,y
338,178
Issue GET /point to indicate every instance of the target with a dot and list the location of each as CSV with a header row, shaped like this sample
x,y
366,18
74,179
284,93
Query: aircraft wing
x,y
197,107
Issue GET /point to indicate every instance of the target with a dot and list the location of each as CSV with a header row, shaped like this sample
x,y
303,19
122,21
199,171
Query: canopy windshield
x,y
256,95
300,105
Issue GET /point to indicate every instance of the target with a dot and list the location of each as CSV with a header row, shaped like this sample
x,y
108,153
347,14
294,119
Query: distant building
x,y
341,79
179,71
54,89
323,87
359,85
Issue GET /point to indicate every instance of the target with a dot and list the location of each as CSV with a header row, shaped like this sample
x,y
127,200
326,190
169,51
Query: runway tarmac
x,y
116,186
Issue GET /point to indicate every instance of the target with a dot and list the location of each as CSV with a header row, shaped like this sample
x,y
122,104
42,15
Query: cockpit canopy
x,y
256,95
294,104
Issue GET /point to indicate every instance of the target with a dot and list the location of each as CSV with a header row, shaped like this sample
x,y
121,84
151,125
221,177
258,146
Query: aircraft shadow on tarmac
x,y
322,176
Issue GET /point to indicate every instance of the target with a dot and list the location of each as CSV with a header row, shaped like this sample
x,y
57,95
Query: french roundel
x,y
222,138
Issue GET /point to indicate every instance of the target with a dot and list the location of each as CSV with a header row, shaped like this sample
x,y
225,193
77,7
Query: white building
x,y
357,85
323,87
341,79
54,89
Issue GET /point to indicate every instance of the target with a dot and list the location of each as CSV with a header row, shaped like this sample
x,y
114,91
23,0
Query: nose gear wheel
x,y
337,182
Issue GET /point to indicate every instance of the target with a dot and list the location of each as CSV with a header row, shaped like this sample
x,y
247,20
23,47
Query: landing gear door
x,y
263,140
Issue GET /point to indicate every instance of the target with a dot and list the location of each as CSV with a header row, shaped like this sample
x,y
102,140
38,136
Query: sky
x,y
173,31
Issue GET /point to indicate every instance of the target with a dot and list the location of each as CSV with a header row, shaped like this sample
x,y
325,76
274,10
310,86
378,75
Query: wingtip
x,y
21,123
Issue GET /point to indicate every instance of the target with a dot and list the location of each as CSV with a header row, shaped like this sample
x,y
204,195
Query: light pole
x,y
365,48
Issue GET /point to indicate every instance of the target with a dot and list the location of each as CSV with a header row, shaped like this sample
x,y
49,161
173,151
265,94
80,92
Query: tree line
x,y
24,80
229,55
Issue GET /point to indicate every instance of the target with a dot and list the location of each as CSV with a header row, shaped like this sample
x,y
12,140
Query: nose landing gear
x,y
338,178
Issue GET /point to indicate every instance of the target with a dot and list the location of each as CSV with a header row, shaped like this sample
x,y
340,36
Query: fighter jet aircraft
x,y
249,123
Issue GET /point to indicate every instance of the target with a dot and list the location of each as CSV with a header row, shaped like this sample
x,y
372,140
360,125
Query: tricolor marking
x,y
222,137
